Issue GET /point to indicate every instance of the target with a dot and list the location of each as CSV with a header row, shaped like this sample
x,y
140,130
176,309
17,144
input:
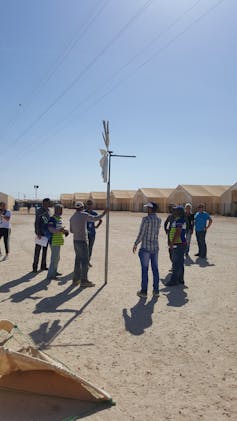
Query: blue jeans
x,y
81,260
202,247
145,257
55,257
178,264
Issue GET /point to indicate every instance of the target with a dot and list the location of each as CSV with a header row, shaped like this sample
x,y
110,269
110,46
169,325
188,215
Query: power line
x,y
83,72
159,51
59,61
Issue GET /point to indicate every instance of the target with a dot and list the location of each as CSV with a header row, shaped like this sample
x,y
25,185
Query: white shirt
x,y
3,222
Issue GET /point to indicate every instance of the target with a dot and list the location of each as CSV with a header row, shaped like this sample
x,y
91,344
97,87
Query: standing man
x,y
201,228
42,216
56,240
5,227
78,226
167,226
148,237
189,226
177,241
91,227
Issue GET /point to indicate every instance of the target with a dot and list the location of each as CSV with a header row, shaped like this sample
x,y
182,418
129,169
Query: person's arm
x,y
99,223
140,235
167,221
37,224
93,218
209,223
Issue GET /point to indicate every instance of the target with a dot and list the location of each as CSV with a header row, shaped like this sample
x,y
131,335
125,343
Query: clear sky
x,y
162,72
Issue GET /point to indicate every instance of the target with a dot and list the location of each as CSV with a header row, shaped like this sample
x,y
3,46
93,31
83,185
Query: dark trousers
x,y
178,264
5,233
81,260
37,255
91,241
201,240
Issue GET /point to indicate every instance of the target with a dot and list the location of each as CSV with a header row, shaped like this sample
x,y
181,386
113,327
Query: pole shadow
x,y
47,307
51,304
141,316
11,284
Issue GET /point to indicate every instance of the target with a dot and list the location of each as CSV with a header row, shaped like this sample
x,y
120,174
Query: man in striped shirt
x,y
148,237
57,231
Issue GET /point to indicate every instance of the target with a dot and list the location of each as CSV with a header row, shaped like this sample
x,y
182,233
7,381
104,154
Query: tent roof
x,y
123,194
98,195
156,192
204,190
81,196
66,196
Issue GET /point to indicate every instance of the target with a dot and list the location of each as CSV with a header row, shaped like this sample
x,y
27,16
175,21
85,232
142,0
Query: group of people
x,y
179,227
50,230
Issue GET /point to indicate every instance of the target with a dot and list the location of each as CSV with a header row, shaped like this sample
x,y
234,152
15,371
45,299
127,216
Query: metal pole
x,y
107,222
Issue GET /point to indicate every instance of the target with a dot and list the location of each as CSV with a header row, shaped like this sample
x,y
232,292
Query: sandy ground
x,y
168,359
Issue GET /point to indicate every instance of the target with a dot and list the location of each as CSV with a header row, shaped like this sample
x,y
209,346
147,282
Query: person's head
x,y
151,207
2,206
188,208
179,211
200,207
89,204
46,203
171,207
58,209
79,206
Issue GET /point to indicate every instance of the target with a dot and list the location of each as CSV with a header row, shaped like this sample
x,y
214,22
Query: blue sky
x,y
162,72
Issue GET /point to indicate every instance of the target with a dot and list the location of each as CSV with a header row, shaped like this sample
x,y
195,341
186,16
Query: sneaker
x,y
44,268
5,258
75,283
85,284
58,274
197,254
156,293
90,265
142,294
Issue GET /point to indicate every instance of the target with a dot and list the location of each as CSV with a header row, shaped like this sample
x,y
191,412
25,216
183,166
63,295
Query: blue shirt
x,y
201,219
91,224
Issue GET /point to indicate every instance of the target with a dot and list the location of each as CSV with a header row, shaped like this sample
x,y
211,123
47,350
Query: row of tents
x,y
217,199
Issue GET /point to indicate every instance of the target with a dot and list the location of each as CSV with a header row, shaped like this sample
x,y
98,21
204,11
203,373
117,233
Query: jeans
x,y
37,255
5,233
91,243
178,264
145,257
188,240
202,247
55,257
81,260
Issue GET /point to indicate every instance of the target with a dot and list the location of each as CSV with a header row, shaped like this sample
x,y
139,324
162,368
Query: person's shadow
x,y
141,316
45,332
30,291
176,294
51,304
11,284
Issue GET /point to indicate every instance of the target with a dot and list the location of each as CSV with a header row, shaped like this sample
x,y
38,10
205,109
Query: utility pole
x,y
106,171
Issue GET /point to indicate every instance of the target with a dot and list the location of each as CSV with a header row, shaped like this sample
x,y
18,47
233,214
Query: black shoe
x,y
58,274
142,294
44,268
34,270
197,254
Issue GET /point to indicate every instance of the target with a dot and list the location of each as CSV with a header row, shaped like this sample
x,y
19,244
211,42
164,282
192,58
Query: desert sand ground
x,y
168,359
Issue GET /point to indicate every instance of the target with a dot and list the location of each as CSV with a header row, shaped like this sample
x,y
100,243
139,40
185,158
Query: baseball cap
x,y
79,205
178,207
152,205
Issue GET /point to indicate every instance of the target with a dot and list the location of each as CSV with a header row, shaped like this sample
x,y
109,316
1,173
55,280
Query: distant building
x,y
67,200
99,199
122,200
209,195
9,200
80,197
157,195
229,201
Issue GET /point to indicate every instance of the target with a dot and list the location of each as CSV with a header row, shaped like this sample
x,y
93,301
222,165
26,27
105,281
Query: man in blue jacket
x,y
200,219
